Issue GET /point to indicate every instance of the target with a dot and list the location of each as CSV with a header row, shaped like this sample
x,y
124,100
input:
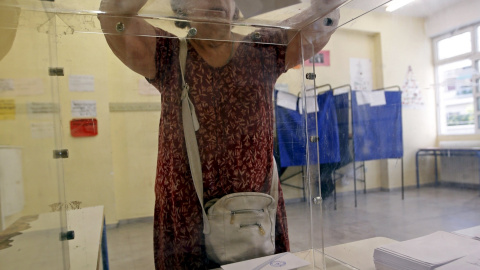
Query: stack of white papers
x,y
424,253
473,233
469,262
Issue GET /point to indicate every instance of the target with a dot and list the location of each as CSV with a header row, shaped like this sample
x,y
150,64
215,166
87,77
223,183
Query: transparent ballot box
x,y
218,134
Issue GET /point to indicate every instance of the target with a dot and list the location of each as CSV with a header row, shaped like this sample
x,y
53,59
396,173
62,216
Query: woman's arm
x,y
135,46
315,35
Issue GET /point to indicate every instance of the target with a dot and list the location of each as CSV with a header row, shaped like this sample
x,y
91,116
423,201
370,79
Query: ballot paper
x,y
469,262
426,252
473,232
281,261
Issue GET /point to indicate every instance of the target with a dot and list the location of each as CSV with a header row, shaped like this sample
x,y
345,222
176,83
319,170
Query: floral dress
x,y
234,107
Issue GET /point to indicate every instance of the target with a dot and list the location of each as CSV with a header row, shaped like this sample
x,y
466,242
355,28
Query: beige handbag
x,y
238,226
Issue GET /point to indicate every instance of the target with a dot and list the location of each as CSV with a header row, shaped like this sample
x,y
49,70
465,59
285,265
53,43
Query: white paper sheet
x,y
146,89
28,86
6,85
84,108
311,105
363,97
473,232
377,98
42,130
469,262
282,261
436,248
340,91
361,74
286,100
81,83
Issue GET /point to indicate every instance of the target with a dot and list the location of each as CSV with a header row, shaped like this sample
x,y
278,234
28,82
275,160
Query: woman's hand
x,y
130,38
314,32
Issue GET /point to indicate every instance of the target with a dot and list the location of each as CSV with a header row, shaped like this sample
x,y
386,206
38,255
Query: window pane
x,y
478,87
454,46
478,39
456,98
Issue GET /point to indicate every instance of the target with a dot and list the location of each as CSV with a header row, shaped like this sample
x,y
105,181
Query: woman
x,y
231,85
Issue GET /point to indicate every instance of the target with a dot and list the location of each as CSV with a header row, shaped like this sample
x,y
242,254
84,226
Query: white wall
x,y
462,14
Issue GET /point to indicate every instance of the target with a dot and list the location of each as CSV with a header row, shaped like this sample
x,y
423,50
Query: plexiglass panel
x,y
33,207
125,114
344,100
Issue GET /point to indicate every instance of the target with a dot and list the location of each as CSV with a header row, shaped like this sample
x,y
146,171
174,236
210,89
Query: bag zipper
x,y
232,219
260,228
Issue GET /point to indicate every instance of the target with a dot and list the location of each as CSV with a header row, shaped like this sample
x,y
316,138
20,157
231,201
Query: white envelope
x,y
281,261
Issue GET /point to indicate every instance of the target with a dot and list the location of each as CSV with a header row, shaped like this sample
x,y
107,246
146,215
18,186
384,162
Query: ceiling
x,y
418,8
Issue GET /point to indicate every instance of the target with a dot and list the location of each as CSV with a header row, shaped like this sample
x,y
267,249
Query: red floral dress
x,y
235,111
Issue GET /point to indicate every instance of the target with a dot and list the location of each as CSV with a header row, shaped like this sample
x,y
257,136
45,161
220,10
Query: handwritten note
x,y
81,83
84,108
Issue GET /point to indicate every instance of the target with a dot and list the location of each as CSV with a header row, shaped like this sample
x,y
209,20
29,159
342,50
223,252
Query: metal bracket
x,y
70,235
317,200
311,76
56,71
63,153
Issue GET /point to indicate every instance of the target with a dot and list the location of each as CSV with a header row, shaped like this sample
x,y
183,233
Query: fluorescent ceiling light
x,y
396,4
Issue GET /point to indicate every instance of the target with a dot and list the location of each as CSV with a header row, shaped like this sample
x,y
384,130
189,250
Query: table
x,y
436,152
358,254
349,256
39,247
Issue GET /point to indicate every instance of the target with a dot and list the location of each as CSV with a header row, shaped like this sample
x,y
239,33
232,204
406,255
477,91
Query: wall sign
x,y
83,127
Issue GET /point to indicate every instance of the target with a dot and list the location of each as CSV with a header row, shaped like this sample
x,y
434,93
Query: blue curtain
x,y
291,133
378,129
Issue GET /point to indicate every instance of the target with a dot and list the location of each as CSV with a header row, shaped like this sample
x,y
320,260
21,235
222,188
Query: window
x,y
457,78
453,46
478,40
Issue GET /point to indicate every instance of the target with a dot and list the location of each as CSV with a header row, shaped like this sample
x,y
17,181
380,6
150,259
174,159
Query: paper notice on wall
x,y
81,83
363,97
39,109
84,108
42,130
6,86
146,89
361,74
286,100
28,87
7,109
377,98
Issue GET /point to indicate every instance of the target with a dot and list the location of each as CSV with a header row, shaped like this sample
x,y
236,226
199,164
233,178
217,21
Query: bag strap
x,y
190,125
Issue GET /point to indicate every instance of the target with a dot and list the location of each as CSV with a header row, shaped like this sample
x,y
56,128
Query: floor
x,y
423,211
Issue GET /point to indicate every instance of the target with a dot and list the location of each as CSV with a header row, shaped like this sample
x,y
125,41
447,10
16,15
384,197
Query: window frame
x,y
474,56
